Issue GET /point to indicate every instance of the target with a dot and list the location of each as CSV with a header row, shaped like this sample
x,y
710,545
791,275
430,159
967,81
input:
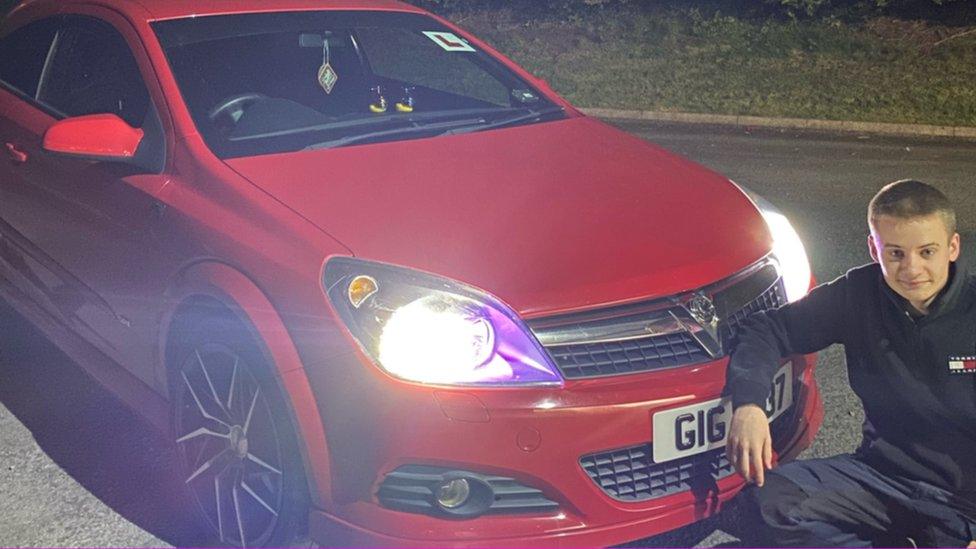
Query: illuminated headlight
x,y
787,247
438,339
428,329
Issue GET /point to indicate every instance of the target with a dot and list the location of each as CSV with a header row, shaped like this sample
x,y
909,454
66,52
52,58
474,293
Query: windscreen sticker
x,y
449,41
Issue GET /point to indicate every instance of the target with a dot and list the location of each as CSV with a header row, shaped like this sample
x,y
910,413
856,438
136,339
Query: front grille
x,y
760,290
770,299
411,488
630,474
618,357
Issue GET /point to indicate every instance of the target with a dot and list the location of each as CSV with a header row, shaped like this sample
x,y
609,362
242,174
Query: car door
x,y
94,225
23,54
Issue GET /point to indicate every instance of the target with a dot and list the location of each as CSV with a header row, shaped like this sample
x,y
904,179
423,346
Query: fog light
x,y
453,493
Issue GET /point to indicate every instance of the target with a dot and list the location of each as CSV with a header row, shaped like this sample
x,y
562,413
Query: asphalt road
x,y
78,469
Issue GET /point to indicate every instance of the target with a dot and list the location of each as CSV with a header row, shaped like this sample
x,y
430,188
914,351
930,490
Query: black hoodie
x,y
913,375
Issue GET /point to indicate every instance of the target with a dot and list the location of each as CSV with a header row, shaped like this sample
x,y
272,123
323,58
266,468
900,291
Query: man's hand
x,y
750,448
972,545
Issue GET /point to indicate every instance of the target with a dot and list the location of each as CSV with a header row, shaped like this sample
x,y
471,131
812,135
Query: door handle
x,y
16,154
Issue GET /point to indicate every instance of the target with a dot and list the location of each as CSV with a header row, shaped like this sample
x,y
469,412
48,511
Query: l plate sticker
x,y
449,41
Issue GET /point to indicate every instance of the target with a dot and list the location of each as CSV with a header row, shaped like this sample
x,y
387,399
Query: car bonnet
x,y
549,217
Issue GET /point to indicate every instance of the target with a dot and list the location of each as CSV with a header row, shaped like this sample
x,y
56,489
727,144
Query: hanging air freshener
x,y
327,75
378,102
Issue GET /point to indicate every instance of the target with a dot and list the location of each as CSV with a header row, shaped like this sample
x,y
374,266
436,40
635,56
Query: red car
x,y
377,282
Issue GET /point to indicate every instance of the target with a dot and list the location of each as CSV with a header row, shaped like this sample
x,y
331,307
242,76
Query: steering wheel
x,y
233,106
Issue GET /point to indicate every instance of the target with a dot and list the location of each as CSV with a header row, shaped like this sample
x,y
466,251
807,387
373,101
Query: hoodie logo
x,y
962,364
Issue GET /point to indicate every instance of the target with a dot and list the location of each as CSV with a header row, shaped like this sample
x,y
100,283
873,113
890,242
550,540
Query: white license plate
x,y
700,427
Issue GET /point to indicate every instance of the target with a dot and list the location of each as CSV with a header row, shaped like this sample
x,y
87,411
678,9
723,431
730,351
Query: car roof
x,y
155,10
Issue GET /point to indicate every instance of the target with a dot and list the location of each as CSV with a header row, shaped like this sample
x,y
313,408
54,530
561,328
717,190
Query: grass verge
x,y
878,70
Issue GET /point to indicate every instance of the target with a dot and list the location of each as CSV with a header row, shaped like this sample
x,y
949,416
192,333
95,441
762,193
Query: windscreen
x,y
274,82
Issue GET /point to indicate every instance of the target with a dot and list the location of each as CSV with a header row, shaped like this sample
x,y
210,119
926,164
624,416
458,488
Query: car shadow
x,y
686,536
731,527
103,445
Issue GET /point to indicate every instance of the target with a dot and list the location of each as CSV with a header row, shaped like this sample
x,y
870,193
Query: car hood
x,y
549,217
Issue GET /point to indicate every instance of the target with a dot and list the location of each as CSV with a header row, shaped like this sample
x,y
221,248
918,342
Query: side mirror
x,y
94,137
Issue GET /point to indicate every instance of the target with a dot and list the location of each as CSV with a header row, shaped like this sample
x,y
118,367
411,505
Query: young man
x,y
908,325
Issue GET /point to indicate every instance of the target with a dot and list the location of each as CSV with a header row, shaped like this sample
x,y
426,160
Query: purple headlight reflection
x,y
527,362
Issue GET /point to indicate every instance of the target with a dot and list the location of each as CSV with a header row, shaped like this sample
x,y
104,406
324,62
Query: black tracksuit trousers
x,y
844,502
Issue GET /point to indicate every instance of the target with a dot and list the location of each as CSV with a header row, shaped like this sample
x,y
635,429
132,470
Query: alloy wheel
x,y
230,445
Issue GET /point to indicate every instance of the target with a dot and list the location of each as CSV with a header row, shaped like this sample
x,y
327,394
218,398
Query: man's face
x,y
914,255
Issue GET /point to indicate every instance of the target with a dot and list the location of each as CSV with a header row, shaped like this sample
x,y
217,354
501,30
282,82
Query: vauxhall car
x,y
376,283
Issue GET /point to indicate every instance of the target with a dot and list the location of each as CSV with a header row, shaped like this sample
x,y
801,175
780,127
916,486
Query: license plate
x,y
700,427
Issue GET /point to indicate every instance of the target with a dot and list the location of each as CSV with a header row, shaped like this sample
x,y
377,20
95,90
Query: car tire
x,y
236,443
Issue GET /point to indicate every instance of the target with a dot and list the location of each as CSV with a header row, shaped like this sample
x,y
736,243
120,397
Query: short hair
x,y
907,199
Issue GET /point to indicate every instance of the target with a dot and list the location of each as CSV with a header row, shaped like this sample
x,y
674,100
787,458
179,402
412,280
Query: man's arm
x,y
762,341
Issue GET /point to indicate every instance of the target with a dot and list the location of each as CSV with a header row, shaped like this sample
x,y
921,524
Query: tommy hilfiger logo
x,y
962,364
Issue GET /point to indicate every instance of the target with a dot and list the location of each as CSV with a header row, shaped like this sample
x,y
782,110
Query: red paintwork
x,y
551,217
169,9
407,424
95,135
597,198
590,519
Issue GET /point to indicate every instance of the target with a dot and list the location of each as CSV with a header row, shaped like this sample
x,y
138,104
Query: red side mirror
x,y
94,136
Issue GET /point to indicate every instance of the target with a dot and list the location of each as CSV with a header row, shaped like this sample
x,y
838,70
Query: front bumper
x,y
536,436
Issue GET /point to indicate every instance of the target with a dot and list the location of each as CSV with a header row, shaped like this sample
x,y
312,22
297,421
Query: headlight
x,y
428,329
787,247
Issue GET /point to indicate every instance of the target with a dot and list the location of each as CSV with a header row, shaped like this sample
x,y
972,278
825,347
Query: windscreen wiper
x,y
369,121
415,127
513,120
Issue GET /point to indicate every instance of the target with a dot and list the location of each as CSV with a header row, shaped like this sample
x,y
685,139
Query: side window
x,y
92,71
23,54
406,56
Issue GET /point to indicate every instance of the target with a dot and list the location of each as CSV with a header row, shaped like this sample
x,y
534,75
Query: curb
x,y
878,128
